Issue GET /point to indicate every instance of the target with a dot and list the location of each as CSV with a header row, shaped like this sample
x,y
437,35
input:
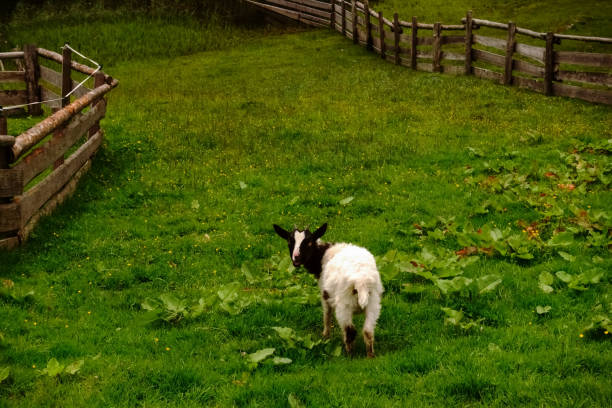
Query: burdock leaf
x,y
260,355
346,200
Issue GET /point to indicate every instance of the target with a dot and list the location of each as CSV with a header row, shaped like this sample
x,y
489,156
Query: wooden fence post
x,y
381,29
468,43
368,25
332,17
437,39
343,18
98,81
549,64
354,25
413,43
396,32
510,46
66,75
32,73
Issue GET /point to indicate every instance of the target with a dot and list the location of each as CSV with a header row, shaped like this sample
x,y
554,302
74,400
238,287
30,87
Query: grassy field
x,y
161,281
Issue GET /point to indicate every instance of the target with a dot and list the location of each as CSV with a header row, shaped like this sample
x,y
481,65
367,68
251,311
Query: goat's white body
x,y
350,283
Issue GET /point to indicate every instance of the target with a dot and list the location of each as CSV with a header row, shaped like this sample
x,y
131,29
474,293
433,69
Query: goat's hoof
x,y
325,334
371,355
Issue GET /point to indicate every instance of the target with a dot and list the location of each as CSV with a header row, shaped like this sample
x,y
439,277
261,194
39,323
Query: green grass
x,y
302,121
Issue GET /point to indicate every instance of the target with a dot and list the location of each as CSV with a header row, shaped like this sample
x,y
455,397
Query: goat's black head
x,y
302,244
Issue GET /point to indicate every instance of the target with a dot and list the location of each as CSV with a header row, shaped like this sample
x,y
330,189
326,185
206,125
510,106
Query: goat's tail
x,y
363,293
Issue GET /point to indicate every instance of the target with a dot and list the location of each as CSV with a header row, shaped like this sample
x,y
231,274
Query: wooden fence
x,y
458,49
41,167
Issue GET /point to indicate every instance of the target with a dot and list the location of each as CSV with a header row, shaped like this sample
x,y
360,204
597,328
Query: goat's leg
x,y
327,314
372,312
345,321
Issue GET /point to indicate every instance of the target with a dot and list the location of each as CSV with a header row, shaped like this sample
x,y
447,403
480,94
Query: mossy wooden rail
x,y
515,60
41,167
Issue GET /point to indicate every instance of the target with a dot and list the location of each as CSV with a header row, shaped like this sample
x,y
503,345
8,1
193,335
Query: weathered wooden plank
x,y
487,23
451,27
599,78
11,55
591,95
604,40
453,39
368,24
51,76
56,200
424,54
52,97
98,81
528,83
424,66
298,16
13,97
80,91
11,182
453,69
584,58
425,40
298,7
6,244
37,132
528,68
452,56
354,22
41,158
486,56
10,217
34,198
12,76
487,74
490,42
314,3
537,53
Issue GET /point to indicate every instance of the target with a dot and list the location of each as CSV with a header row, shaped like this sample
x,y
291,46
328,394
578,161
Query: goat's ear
x,y
281,232
319,232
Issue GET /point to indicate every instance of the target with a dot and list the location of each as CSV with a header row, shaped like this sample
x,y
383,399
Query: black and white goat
x,y
348,280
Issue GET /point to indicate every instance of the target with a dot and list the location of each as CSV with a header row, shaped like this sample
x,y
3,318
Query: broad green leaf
x,y
545,288
229,292
74,367
346,200
294,200
541,310
4,373
294,402
456,284
281,360
260,355
566,256
242,185
546,278
452,316
172,303
412,288
562,239
564,276
53,368
195,205
487,283
149,304
247,274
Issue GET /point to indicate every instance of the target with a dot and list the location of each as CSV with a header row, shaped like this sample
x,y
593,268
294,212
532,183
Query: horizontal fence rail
x,y
41,167
457,49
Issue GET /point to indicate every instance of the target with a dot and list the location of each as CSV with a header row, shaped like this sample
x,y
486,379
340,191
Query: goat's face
x,y
302,244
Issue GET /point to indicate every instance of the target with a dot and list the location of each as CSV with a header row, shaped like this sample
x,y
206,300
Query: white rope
x,y
79,85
